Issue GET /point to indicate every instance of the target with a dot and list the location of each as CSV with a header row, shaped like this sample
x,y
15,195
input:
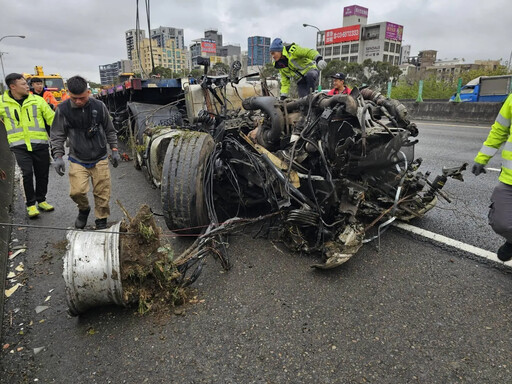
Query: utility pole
x,y
2,54
319,33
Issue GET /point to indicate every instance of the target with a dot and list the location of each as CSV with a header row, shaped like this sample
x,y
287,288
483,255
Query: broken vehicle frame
x,y
329,167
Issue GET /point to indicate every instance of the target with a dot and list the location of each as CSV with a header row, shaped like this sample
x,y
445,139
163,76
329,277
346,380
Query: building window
x,y
344,58
397,50
385,58
344,49
336,50
328,51
353,59
386,47
354,48
392,47
396,60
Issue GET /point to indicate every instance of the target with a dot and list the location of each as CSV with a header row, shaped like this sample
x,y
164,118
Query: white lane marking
x,y
453,243
453,125
494,169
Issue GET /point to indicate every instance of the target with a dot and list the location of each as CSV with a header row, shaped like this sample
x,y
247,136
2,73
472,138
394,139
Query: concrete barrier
x,y
481,113
6,193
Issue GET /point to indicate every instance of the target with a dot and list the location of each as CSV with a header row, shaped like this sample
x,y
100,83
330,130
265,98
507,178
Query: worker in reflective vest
x,y
24,116
500,214
38,89
297,63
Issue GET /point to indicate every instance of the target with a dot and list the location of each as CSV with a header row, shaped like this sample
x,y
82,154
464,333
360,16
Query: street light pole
x,y
318,29
2,54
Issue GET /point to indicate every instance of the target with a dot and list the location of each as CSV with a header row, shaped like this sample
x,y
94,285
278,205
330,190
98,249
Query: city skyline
x,y
94,33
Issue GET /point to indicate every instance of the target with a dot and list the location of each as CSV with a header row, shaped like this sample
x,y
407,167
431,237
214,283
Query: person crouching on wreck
x,y
295,62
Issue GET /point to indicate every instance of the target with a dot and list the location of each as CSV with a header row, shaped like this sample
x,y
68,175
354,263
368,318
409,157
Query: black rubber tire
x,y
182,188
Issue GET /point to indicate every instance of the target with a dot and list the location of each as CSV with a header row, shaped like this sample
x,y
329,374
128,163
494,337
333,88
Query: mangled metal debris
x,y
332,167
325,169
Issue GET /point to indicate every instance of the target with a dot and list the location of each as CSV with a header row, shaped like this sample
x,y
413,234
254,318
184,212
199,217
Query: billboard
x,y
355,10
394,31
208,46
340,35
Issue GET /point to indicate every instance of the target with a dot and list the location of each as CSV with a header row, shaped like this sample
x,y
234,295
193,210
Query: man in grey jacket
x,y
86,124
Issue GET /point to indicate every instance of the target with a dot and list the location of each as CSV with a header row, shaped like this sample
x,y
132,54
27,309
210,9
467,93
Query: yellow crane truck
x,y
53,82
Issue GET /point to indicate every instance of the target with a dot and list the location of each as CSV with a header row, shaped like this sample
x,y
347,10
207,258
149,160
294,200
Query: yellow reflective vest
x,y
25,123
500,133
300,61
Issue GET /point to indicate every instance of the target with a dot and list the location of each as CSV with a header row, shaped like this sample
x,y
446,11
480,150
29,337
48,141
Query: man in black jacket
x,y
86,124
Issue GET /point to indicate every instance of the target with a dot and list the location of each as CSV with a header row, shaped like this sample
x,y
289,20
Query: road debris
x,y
37,350
10,291
41,308
14,254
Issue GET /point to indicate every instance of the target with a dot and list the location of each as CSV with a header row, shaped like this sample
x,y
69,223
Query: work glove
x,y
478,169
59,166
321,64
115,158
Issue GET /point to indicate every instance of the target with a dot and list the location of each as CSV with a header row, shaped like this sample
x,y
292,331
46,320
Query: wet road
x,y
415,312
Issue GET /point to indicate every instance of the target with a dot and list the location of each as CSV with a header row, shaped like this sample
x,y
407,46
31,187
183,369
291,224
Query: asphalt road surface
x,y
413,312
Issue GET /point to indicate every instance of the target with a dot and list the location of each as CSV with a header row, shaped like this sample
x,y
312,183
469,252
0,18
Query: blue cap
x,y
277,45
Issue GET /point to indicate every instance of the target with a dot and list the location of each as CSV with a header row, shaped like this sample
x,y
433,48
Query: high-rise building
x,y
211,45
110,72
130,37
258,50
229,50
202,47
405,53
357,41
168,57
162,34
213,34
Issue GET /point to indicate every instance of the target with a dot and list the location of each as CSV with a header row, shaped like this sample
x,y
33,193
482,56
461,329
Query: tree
x,y
162,72
92,84
197,73
220,69
374,74
269,70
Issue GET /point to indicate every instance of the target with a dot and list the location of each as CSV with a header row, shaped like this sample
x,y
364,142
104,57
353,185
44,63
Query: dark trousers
x,y
500,213
35,163
308,83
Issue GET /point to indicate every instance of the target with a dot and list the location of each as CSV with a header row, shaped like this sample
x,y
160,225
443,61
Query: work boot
x,y
44,206
32,211
505,252
101,223
81,219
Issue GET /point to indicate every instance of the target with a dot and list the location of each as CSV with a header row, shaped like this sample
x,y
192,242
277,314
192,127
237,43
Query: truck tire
x,y
182,189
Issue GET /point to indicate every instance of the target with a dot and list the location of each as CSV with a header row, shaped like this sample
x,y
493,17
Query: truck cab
x,y
469,92
494,89
53,82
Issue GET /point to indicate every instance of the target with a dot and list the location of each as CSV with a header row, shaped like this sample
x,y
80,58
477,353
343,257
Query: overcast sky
x,y
75,37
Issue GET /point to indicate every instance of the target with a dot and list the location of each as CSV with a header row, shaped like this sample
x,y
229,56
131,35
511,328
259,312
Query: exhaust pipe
x,y
269,105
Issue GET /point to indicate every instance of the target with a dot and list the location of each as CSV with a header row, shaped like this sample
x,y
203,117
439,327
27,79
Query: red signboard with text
x,y
340,35
208,46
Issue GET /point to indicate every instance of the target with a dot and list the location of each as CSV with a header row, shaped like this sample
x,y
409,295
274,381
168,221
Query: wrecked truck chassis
x,y
331,166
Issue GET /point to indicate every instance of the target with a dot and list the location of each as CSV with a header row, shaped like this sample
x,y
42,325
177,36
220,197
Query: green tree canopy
x,y
219,69
268,70
374,74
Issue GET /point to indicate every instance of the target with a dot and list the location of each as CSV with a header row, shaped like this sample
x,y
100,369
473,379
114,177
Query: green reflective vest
x,y
300,61
25,123
500,133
